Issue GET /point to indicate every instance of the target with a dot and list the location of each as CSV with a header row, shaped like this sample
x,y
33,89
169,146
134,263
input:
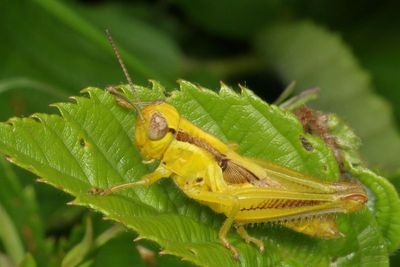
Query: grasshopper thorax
x,y
155,129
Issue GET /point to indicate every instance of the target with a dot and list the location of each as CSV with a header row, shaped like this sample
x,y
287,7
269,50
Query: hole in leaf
x,y
324,168
306,144
82,142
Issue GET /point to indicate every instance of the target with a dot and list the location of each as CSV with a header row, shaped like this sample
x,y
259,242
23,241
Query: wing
x,y
261,173
235,173
294,180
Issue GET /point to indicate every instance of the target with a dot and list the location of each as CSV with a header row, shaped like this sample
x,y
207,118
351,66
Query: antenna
x,y
136,105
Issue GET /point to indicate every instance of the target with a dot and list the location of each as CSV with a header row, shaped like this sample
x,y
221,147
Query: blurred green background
x,y
50,50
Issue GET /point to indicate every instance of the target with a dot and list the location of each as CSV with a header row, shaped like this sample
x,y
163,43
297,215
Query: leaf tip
x,y
9,122
107,218
40,180
88,90
36,117
73,98
9,158
138,238
156,86
183,85
72,202
224,89
56,105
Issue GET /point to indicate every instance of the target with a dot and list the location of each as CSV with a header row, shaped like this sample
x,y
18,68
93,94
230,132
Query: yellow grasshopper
x,y
245,190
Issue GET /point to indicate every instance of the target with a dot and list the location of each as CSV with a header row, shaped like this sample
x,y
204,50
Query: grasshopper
x,y
246,190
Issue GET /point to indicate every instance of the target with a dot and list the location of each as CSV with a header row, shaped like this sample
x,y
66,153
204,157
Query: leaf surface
x,y
92,145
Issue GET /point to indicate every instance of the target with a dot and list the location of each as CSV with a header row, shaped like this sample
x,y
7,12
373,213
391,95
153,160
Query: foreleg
x,y
146,180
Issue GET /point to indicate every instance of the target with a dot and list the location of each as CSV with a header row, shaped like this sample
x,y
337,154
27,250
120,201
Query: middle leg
x,y
243,234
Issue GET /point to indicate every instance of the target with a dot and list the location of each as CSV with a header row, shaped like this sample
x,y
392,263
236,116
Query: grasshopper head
x,y
156,123
155,128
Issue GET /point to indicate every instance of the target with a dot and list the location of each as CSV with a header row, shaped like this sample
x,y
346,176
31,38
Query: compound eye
x,y
158,127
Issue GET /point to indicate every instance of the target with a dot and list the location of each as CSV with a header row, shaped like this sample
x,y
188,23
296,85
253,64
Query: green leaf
x,y
313,56
92,145
380,56
386,196
28,261
5,261
68,49
78,253
243,19
9,237
21,224
76,31
123,251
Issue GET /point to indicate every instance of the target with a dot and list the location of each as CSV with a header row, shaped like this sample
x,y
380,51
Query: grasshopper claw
x,y
260,245
243,233
235,252
95,191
